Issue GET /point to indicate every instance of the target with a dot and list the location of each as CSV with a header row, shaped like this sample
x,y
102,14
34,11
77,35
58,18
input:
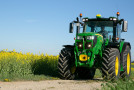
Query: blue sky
x,y
43,25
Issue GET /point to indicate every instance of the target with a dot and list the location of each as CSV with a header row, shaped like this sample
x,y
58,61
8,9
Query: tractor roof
x,y
99,19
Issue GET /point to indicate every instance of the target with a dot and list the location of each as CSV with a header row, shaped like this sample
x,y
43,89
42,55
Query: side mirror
x,y
124,26
71,28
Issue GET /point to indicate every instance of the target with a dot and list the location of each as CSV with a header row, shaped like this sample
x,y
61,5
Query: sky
x,y
42,26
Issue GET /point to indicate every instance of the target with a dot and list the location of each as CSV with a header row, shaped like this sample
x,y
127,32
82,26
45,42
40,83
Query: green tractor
x,y
98,45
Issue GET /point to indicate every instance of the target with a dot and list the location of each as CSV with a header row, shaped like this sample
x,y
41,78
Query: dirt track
x,y
52,85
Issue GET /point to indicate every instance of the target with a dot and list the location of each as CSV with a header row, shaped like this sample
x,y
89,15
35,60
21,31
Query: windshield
x,y
103,27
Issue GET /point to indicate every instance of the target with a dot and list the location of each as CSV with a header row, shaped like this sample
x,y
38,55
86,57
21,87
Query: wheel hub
x,y
116,66
128,64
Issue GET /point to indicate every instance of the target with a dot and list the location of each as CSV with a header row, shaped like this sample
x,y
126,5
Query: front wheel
x,y
66,64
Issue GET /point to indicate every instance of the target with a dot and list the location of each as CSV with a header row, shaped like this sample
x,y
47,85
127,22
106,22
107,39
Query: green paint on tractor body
x,y
92,28
98,44
91,52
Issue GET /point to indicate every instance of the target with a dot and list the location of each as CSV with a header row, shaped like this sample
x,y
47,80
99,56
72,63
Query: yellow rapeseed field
x,y
28,57
132,66
15,64
132,63
132,69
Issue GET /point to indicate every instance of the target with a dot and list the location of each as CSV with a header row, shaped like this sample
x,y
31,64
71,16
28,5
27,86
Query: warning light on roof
x,y
98,16
80,14
117,38
118,13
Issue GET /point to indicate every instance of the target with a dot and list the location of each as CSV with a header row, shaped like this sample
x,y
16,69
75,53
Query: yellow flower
x,y
6,80
20,52
46,54
14,50
132,69
132,63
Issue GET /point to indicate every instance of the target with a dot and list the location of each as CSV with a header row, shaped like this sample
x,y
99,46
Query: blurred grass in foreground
x,y
127,84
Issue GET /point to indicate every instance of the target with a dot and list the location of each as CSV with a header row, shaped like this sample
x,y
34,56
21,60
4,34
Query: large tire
x,y
85,73
111,64
66,64
126,57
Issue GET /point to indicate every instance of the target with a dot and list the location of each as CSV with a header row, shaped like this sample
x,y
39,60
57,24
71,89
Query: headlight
x,y
111,18
88,45
79,37
90,37
83,20
80,45
114,19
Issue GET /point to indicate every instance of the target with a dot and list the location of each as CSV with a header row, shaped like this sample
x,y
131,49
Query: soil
x,y
52,85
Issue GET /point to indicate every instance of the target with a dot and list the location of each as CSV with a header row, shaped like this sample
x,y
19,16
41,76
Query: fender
x,y
69,46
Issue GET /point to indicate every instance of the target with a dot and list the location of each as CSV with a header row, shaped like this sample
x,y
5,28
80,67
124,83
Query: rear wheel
x,y
66,64
126,57
85,73
111,64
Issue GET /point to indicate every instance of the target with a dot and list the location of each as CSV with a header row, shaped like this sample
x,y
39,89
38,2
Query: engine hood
x,y
98,39
90,34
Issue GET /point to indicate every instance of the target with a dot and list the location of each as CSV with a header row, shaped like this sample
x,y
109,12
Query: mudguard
x,y
68,46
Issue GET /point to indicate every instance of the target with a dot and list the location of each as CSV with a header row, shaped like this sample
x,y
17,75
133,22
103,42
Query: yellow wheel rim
x,y
128,64
73,69
116,66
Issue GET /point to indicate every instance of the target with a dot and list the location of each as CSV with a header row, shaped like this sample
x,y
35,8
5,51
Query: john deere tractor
x,y
98,44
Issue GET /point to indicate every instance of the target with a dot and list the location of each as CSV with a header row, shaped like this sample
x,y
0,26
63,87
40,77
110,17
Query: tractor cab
x,y
110,28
